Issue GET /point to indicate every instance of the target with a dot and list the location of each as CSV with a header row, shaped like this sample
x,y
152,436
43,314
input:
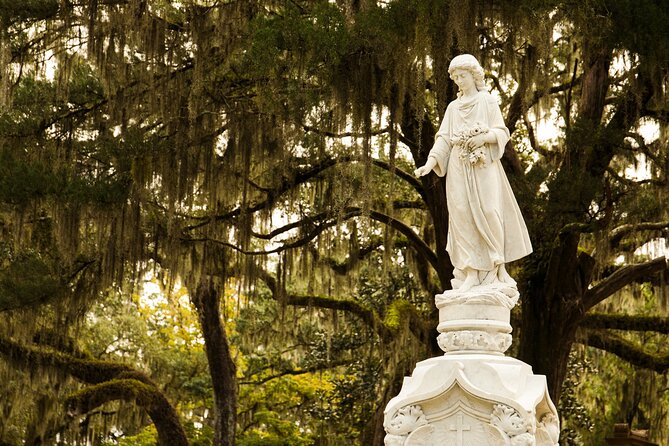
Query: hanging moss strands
x,y
210,232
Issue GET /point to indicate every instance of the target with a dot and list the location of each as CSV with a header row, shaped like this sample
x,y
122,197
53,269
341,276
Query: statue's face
x,y
463,79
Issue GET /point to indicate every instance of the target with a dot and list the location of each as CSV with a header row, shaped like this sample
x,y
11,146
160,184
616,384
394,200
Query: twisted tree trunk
x,y
221,364
559,277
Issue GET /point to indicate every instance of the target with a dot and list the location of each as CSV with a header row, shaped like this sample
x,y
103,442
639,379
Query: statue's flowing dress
x,y
485,226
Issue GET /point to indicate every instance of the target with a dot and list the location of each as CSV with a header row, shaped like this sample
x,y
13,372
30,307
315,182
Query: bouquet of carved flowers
x,y
476,155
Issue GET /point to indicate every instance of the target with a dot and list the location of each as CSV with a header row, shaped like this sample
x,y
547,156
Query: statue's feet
x,y
471,281
505,277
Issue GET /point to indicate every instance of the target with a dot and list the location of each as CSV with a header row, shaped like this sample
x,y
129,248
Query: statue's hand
x,y
427,168
476,141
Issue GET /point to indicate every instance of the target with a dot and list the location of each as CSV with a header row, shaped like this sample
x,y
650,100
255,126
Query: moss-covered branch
x,y
414,239
94,396
325,220
620,278
111,381
299,176
385,329
331,134
366,314
147,396
628,322
354,257
625,350
622,231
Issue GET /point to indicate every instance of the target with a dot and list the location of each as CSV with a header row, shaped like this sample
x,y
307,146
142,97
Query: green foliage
x,y
199,134
609,390
23,182
638,24
390,292
28,280
575,417
30,166
147,437
396,313
11,11
158,333
351,403
293,49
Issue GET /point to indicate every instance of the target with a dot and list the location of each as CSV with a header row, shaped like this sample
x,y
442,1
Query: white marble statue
x,y
485,227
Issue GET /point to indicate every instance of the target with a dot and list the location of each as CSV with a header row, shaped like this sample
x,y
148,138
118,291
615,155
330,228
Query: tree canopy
x,y
253,159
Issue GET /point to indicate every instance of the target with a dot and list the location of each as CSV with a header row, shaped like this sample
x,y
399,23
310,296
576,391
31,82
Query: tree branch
x,y
296,178
299,371
644,148
625,350
415,241
660,182
104,375
417,325
315,219
370,317
366,314
330,134
538,94
628,322
92,397
343,267
620,279
617,234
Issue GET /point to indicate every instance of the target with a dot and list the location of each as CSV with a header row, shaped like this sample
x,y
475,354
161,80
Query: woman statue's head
x,y
469,63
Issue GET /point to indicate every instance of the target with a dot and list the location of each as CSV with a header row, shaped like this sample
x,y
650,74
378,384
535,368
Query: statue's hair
x,y
469,63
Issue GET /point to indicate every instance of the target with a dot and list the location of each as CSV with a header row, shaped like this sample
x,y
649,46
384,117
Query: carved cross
x,y
460,429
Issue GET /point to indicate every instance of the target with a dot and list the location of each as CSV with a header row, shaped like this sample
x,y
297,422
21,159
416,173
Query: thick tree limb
x,y
622,231
625,350
659,182
311,220
366,314
121,380
633,102
370,317
318,221
620,279
222,368
287,183
147,396
517,104
645,148
414,240
343,267
296,178
416,323
626,322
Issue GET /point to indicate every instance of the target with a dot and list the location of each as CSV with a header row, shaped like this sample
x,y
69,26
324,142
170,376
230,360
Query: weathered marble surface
x,y
485,227
473,395
472,400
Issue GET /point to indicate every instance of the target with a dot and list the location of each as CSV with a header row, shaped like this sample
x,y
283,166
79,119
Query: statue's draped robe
x,y
485,226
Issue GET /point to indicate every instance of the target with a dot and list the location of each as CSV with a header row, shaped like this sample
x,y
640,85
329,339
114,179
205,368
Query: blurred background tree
x,y
211,233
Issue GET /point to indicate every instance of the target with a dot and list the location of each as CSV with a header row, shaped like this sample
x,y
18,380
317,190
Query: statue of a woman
x,y
485,227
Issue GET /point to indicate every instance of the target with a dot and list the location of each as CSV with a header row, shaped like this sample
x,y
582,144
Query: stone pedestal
x,y
473,395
